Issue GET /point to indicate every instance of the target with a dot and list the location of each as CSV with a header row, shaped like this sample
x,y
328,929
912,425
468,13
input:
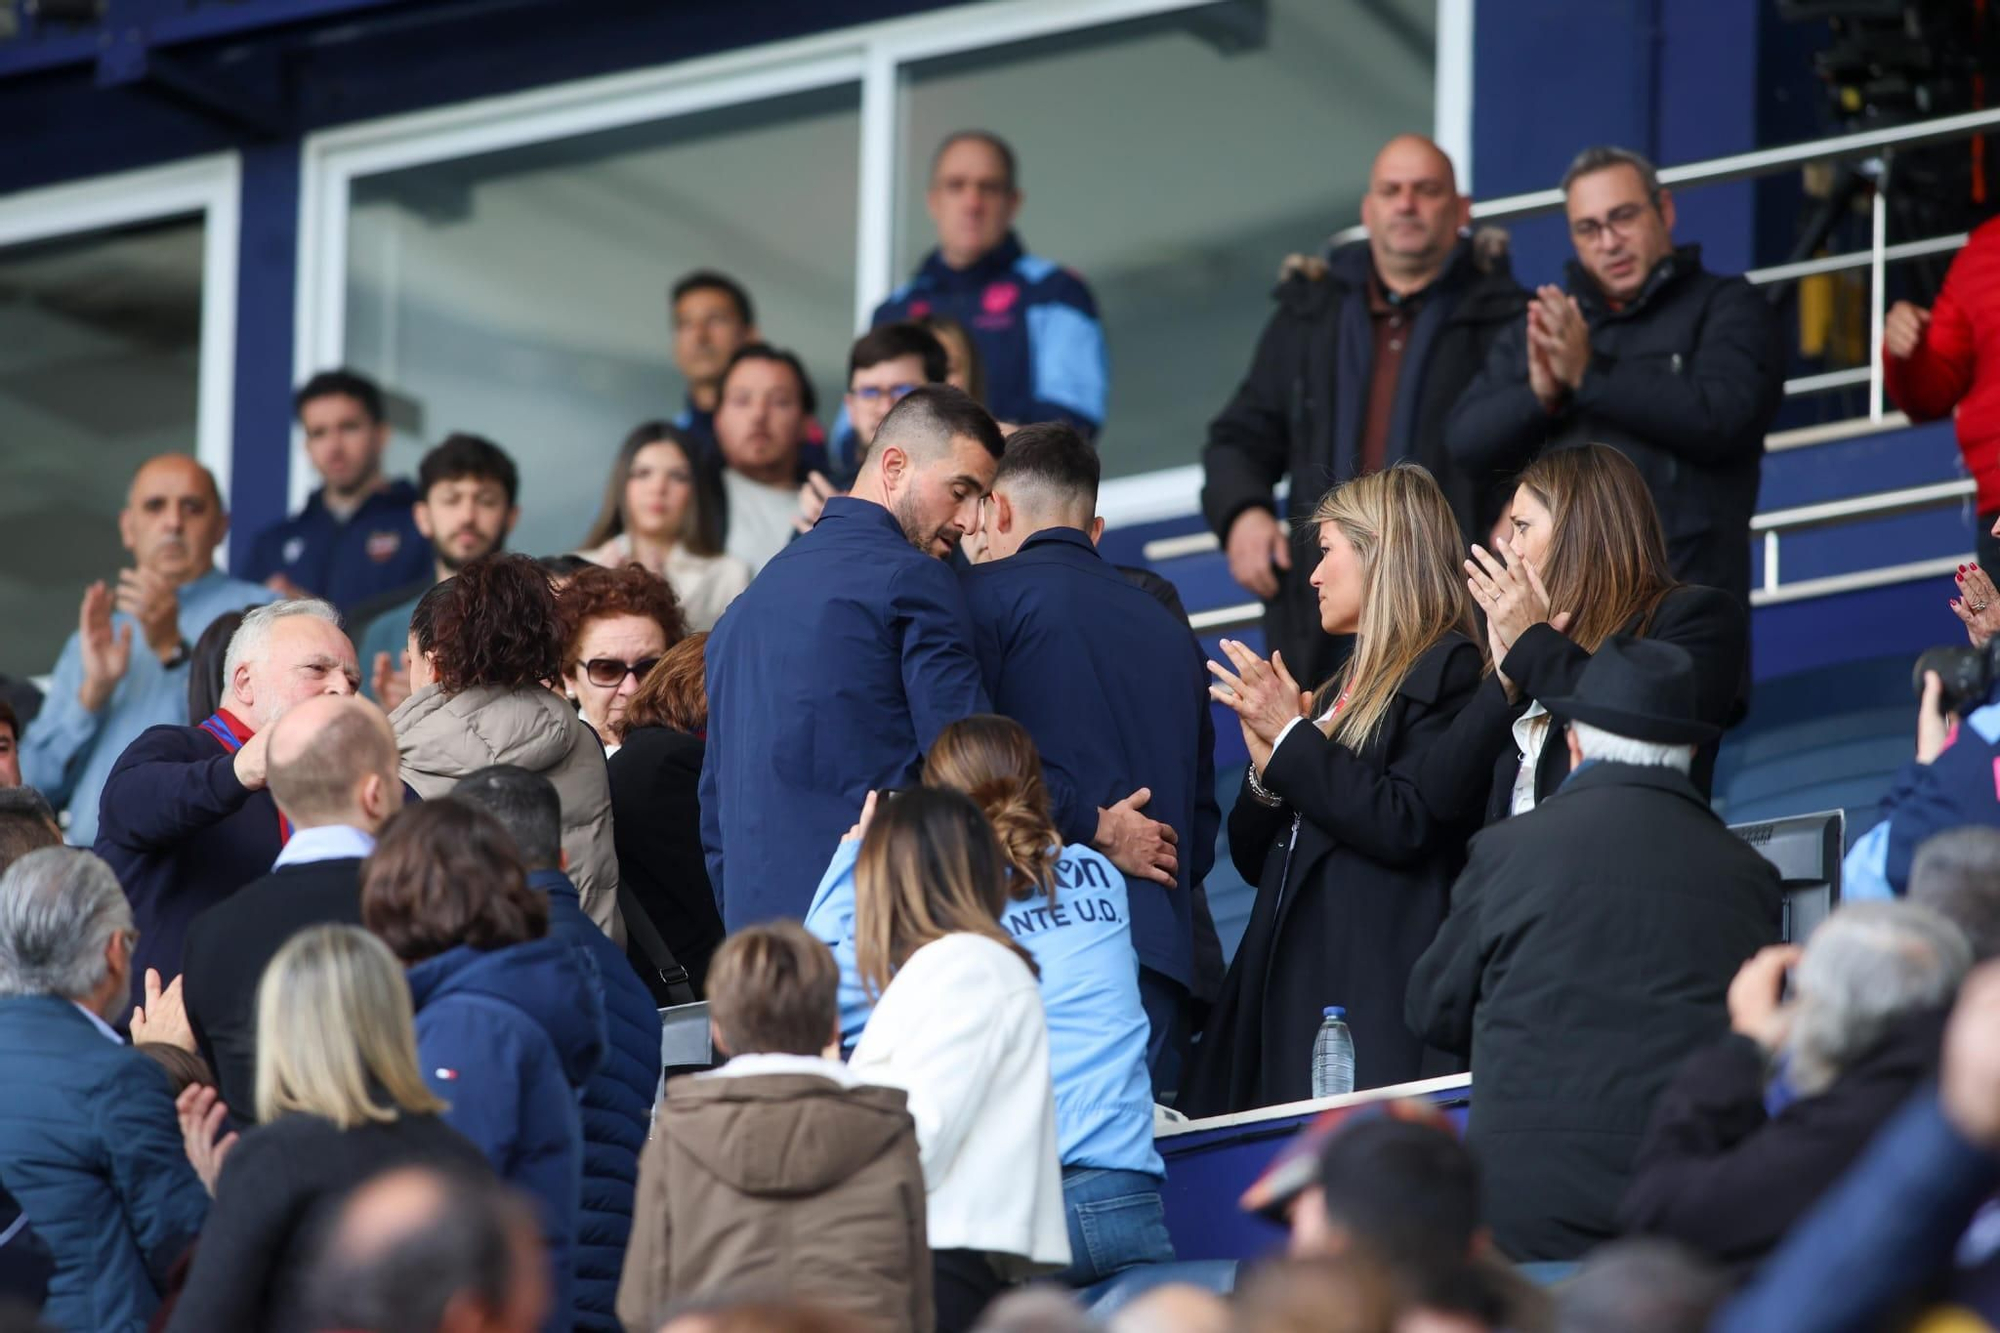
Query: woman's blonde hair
x,y
993,760
929,867
1413,589
336,1032
1607,558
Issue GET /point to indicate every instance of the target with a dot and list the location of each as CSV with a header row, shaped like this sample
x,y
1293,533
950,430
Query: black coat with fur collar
x,y
1300,410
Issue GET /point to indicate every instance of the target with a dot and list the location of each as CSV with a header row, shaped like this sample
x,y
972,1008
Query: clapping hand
x,y
1262,694
106,653
391,680
163,1017
151,600
1757,1007
860,829
1557,328
1977,605
201,1115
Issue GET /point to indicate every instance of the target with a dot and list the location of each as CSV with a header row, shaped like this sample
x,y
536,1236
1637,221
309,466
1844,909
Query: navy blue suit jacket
x,y
1113,690
830,675
182,834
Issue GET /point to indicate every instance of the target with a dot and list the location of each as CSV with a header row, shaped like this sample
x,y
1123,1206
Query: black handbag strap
x,y
680,987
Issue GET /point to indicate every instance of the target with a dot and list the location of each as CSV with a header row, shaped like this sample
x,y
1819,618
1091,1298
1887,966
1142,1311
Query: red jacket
x,y
1958,362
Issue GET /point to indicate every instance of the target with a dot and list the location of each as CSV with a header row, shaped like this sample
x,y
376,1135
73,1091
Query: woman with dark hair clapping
x,y
484,647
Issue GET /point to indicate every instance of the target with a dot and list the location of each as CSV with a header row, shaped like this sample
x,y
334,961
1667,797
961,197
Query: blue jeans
x,y
1116,1220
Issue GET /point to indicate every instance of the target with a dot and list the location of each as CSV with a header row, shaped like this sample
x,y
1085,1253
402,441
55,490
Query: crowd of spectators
x,y
342,1011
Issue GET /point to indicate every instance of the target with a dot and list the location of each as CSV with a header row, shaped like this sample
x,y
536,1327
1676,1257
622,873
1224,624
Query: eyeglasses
x,y
875,393
1620,220
609,673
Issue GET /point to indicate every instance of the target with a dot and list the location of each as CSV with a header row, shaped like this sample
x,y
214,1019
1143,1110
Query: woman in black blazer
x,y
1586,561
339,1099
656,815
1347,822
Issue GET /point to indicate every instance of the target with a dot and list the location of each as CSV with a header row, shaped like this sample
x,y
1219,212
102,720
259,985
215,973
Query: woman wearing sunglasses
x,y
616,624
485,646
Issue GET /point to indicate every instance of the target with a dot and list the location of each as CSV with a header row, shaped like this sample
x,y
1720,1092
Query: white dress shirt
x,y
326,842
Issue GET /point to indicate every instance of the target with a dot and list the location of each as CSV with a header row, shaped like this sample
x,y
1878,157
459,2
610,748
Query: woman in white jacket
x,y
959,1027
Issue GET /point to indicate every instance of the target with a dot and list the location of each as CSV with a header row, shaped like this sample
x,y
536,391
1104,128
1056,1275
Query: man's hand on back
x,y
1135,844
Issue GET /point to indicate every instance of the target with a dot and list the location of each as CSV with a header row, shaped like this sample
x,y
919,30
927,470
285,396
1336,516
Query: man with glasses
x,y
1678,368
1035,322
883,366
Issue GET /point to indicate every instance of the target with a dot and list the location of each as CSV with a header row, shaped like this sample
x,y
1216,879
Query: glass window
x,y
522,295
1174,163
100,355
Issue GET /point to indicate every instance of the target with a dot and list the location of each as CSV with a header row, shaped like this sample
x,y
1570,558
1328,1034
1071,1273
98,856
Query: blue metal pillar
x,y
266,281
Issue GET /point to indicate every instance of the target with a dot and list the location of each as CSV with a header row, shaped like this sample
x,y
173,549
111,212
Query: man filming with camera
x,y
1954,778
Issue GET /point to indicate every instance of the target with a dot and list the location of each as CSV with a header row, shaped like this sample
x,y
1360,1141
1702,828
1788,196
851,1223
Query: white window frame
x,y
208,187
870,55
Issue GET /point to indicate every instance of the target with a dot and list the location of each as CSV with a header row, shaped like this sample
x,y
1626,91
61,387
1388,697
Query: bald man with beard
x,y
331,765
1358,368
126,667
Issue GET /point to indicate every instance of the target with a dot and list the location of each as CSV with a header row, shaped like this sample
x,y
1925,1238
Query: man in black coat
x,y
333,772
1589,948
185,819
1358,368
1112,689
1679,369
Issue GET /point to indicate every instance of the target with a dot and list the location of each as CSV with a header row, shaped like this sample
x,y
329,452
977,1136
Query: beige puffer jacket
x,y
444,738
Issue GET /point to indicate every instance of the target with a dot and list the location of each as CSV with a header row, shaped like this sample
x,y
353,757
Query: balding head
x,y
417,1248
173,518
1413,212
333,760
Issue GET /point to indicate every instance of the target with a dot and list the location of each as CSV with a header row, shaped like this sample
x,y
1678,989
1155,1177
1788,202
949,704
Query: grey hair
x,y
254,634
1957,873
1605,156
59,907
1609,746
1868,965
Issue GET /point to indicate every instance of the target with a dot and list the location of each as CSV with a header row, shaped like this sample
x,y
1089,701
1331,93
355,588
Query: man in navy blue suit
x,y
835,670
1110,684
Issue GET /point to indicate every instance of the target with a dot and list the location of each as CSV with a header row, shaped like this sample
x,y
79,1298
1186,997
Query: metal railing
x,y
1768,527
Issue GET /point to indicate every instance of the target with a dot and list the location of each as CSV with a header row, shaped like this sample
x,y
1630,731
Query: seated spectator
x,y
964,368
338,1099
761,421
1068,907
26,824
1893,1223
356,538
1870,993
1956,874
1947,784
1589,949
656,819
187,819
483,645
332,771
10,746
1936,363
1586,544
1352,850
661,512
465,509
1641,1286
106,689
712,318
417,1250
959,1027
615,625
509,1027
207,687
780,1172
1400,1191
89,1140
883,366
617,1100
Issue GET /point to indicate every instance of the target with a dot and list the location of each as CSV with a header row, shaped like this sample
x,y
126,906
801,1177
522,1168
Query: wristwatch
x,y
182,653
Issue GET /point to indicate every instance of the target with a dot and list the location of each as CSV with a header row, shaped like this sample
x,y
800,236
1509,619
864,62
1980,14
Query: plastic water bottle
x,y
1333,1055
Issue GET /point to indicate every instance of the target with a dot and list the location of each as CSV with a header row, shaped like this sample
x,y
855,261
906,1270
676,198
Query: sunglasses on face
x,y
608,673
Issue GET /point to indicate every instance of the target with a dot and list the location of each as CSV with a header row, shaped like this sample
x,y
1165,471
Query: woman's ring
x,y
1977,607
